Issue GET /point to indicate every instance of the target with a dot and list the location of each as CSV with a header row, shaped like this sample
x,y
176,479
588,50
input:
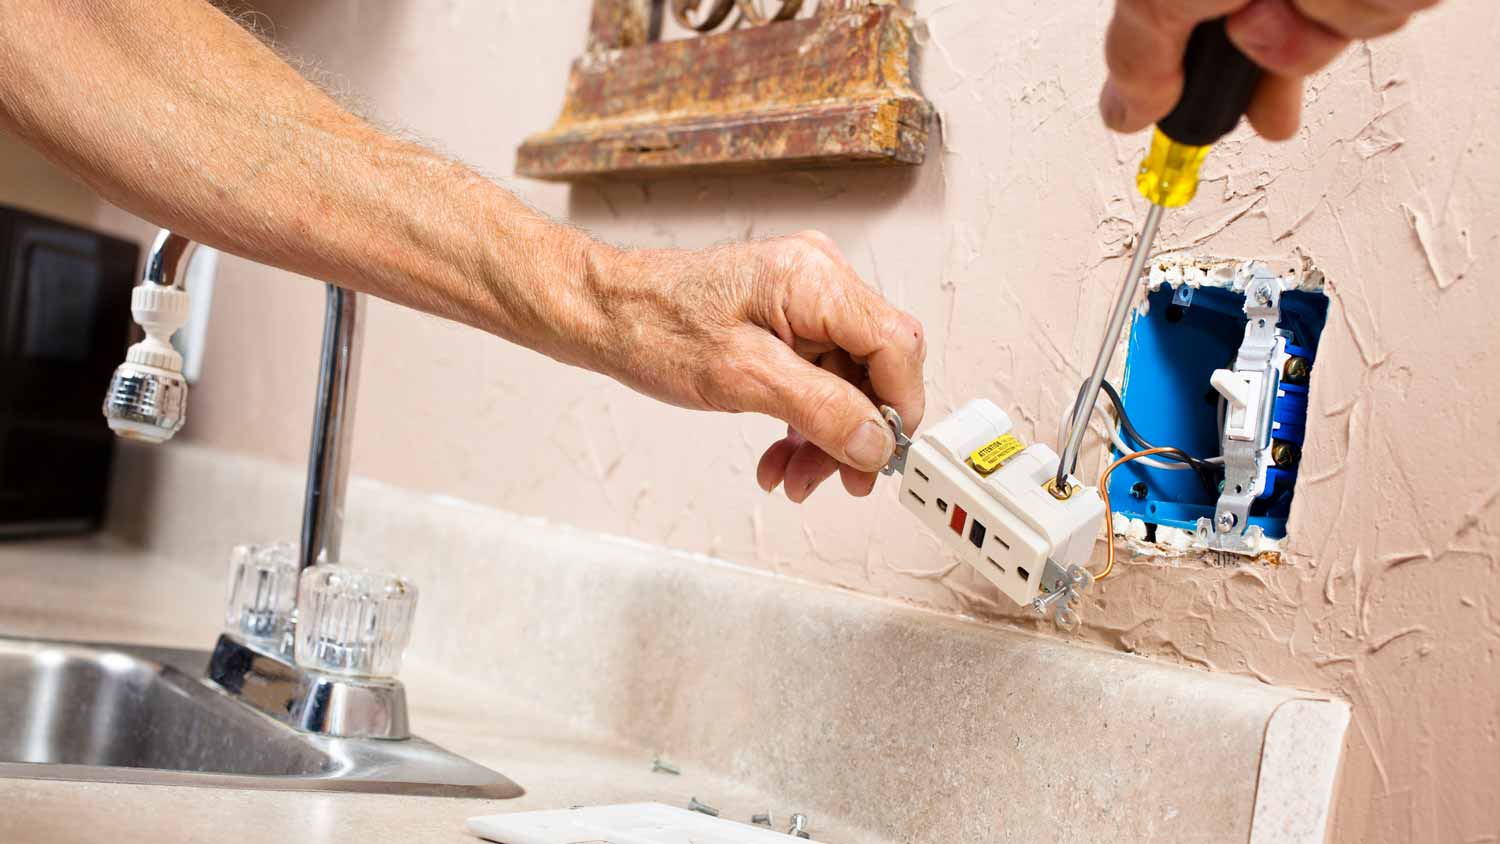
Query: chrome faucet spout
x,y
147,398
166,263
333,411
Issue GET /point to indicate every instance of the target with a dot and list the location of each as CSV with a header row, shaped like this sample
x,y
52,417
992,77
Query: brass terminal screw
x,y
1285,454
1298,370
1061,493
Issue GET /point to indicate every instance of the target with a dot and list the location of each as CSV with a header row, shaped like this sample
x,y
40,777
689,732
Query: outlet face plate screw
x,y
695,806
799,826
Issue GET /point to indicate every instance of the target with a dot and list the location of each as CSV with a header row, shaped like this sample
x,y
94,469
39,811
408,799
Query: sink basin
x,y
123,713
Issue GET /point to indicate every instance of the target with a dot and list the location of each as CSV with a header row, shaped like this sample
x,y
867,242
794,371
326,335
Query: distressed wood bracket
x,y
832,89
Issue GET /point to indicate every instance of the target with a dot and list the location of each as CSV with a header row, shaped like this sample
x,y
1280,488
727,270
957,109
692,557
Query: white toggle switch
x,y
1242,390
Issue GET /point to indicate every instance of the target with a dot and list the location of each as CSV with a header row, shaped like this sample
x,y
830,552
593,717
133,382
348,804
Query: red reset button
x,y
956,521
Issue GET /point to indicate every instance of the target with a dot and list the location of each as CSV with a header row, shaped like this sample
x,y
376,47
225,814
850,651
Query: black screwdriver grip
x,y
1220,83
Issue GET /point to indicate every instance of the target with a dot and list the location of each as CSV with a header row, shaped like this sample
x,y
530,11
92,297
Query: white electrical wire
x,y
1118,439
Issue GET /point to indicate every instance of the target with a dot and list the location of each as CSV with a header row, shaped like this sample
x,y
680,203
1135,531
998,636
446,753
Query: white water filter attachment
x,y
988,495
147,398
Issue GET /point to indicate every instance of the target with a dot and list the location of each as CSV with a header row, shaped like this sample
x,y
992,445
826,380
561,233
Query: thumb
x,y
828,411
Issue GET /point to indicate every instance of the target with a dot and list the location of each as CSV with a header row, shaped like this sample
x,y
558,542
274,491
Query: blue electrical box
x,y
1176,343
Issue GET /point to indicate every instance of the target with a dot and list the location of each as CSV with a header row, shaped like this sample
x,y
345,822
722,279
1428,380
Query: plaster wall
x,y
1008,245
30,182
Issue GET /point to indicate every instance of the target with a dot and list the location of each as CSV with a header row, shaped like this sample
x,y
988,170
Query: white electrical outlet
x,y
974,483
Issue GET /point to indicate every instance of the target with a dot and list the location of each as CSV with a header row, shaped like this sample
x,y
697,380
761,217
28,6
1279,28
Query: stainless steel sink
x,y
121,713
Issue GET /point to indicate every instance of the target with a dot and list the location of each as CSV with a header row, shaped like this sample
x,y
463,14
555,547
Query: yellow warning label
x,y
993,455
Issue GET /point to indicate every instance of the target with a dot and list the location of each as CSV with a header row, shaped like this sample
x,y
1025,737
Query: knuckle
x,y
815,407
912,327
816,239
1360,18
806,258
1165,14
1138,77
906,335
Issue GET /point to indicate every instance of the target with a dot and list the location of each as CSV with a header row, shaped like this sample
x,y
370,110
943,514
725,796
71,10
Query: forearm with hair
x,y
171,110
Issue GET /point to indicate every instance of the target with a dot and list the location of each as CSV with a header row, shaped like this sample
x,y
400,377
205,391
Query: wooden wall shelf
x,y
832,89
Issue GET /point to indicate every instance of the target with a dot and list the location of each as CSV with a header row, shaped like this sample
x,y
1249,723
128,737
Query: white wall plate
x,y
633,823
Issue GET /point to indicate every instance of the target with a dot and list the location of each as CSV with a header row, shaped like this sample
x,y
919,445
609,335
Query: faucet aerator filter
x,y
147,398
145,403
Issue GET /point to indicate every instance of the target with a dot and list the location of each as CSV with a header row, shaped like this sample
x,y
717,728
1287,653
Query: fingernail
x,y
870,446
1112,105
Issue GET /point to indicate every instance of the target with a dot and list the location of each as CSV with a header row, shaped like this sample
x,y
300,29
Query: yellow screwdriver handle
x,y
1218,83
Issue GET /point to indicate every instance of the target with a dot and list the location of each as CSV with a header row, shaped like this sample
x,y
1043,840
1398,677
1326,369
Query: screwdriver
x,y
1218,86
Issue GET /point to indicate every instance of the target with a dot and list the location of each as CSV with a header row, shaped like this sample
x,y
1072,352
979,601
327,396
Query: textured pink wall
x,y
28,181
1008,245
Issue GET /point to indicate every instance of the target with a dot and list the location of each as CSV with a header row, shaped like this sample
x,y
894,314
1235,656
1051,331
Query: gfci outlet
x,y
974,483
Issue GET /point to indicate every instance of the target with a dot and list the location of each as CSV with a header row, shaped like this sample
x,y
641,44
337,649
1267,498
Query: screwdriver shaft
x,y
1082,413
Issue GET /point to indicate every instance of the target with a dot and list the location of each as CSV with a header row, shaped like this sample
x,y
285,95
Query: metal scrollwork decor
x,y
685,12
760,84
750,9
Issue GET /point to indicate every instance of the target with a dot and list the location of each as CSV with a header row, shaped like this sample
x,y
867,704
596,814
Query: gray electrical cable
x,y
1205,469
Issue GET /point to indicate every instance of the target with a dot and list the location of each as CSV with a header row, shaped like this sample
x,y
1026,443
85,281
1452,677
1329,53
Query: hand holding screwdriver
x,y
1290,39
1209,63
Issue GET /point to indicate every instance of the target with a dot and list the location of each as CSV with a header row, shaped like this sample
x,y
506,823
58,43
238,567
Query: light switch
x,y
1243,392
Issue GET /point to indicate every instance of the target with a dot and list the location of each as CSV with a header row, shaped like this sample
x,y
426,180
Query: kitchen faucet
x,y
147,401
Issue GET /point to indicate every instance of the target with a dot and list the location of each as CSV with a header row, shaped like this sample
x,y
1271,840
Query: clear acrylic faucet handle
x,y
354,622
262,594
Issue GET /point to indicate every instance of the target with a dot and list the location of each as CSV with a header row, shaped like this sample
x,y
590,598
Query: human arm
x,y
170,110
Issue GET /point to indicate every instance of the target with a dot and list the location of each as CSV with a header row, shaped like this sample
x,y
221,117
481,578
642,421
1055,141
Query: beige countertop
x,y
92,590
568,660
